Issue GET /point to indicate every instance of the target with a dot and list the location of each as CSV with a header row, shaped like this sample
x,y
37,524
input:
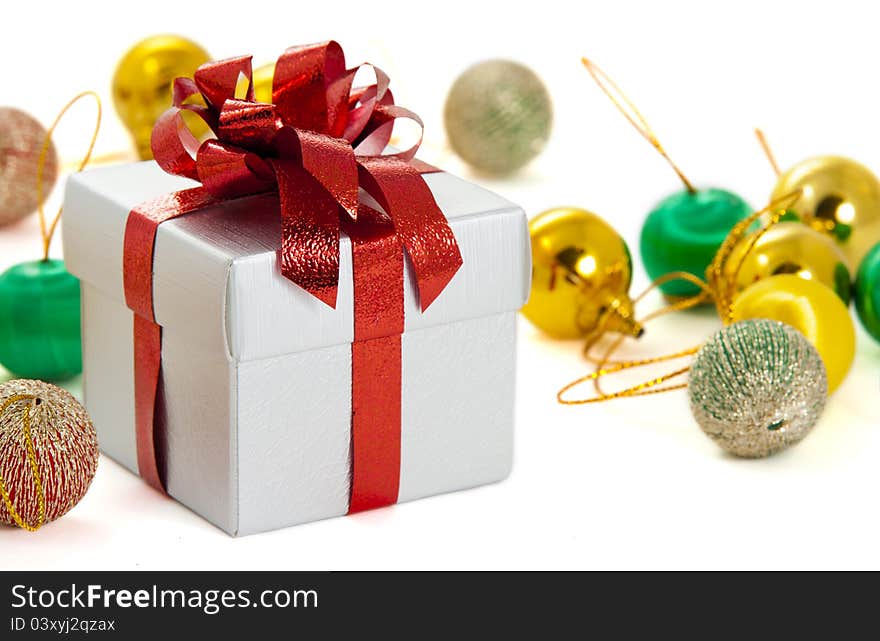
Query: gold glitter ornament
x,y
20,138
757,387
143,80
581,273
498,116
48,453
840,197
790,248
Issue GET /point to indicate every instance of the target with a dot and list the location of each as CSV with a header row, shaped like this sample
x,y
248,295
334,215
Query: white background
x,y
629,484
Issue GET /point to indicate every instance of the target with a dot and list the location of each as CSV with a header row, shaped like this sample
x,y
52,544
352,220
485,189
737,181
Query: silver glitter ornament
x,y
757,387
498,116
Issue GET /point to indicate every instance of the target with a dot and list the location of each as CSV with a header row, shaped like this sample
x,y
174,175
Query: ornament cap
x,y
620,318
617,318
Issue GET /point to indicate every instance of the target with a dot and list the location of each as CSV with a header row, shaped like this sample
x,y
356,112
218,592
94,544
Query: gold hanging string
x,y
720,279
649,387
771,158
641,389
48,231
633,115
704,296
719,286
679,305
32,461
676,306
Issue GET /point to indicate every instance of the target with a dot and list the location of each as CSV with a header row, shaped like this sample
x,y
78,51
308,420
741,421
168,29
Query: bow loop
x,y
311,87
378,132
218,81
251,125
363,100
229,172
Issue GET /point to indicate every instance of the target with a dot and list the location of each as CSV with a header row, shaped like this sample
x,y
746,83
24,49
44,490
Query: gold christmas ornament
x,y
262,80
811,308
143,80
840,197
48,453
790,248
581,273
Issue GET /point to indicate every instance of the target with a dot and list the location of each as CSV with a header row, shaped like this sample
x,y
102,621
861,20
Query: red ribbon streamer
x,y
317,145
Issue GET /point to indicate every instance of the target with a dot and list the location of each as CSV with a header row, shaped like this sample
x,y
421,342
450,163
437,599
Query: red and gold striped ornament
x,y
48,453
20,138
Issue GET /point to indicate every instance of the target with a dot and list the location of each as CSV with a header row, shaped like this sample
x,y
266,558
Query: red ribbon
x,y
317,145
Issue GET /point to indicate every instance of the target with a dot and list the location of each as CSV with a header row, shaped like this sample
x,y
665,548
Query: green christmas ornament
x,y
868,292
684,232
40,321
498,116
757,387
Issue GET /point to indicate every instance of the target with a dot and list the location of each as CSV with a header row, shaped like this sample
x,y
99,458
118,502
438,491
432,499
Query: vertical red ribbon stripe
x,y
375,360
139,247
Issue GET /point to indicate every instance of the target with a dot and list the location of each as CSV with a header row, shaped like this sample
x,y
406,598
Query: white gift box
x,y
256,391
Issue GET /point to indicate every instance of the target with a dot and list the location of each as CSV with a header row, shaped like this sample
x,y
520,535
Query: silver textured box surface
x,y
257,373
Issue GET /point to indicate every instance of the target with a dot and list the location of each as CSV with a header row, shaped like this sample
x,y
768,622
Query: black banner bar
x,y
164,606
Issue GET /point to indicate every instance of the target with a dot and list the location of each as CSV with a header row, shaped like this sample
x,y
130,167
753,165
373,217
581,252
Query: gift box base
x,y
277,449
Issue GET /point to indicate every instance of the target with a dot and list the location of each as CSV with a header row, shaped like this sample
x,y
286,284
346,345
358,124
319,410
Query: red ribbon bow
x,y
319,143
316,145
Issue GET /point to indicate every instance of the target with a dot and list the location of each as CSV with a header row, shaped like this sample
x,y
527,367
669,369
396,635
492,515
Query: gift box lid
x,y
216,277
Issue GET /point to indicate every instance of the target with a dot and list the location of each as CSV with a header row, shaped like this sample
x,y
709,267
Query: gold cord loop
x,y
633,115
48,231
771,158
641,389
